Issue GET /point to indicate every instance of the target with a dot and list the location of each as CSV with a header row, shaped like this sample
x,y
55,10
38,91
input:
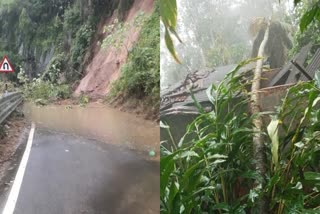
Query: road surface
x,y
68,174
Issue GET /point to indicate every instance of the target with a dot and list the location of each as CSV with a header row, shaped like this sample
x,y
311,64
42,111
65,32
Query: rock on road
x,y
67,174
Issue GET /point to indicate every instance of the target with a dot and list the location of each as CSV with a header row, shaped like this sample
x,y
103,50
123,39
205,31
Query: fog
x,y
215,33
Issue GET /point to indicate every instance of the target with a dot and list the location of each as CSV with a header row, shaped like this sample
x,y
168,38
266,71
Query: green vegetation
x,y
214,172
212,168
116,31
33,31
41,91
168,13
83,100
49,43
140,76
311,31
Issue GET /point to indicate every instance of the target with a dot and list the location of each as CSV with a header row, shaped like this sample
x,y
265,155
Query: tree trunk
x,y
258,144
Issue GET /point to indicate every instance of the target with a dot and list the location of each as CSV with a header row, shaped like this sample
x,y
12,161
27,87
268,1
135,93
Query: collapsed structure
x,y
177,107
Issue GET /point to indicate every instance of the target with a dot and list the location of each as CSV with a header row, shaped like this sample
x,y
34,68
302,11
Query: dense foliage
x,y
214,171
140,76
310,32
41,91
35,31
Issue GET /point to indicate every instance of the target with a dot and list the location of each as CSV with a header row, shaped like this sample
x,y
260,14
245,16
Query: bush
x,y
38,89
140,76
83,100
72,19
209,173
56,67
212,170
78,49
47,91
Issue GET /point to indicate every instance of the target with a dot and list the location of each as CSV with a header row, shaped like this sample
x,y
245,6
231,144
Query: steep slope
x,y
104,68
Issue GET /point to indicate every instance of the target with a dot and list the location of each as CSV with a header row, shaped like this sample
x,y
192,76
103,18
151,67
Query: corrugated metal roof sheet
x,y
179,94
313,66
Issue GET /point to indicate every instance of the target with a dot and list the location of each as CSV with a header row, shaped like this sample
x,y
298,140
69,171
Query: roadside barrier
x,y
8,103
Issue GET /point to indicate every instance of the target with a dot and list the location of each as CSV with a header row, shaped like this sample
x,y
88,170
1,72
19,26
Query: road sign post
x,y
5,67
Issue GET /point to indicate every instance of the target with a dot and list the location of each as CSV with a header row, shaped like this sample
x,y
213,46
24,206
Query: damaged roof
x,y
178,97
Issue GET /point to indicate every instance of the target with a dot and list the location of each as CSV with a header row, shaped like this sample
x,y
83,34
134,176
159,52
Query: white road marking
x,y
14,193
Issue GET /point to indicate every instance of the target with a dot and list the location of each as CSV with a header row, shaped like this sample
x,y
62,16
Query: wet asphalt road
x,y
67,174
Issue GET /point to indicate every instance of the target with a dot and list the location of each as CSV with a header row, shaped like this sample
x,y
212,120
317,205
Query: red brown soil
x,y
104,68
135,106
13,128
138,107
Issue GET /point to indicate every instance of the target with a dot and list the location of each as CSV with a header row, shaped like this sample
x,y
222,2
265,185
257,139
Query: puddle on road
x,y
98,122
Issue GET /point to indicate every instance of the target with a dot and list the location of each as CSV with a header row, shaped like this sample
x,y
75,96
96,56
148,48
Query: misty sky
x,y
214,33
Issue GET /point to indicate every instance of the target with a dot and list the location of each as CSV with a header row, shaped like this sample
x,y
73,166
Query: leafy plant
x,y
211,169
292,185
140,76
78,49
55,68
212,172
72,19
168,14
83,100
38,89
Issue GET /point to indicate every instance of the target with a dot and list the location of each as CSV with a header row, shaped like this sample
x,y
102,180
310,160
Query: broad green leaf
x,y
173,31
168,13
203,189
192,177
299,144
219,161
189,154
182,208
170,45
222,206
197,104
315,101
164,177
273,134
217,156
181,141
241,64
308,17
166,168
210,94
253,195
174,189
312,176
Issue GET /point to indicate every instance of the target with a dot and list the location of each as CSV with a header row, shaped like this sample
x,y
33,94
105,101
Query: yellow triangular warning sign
x,y
5,65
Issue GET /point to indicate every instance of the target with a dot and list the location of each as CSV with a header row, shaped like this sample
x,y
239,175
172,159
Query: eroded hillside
x,y
85,50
